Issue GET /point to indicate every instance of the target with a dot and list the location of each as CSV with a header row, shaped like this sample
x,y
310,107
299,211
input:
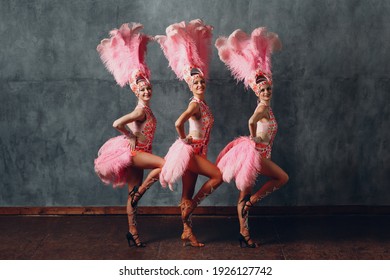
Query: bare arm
x,y
192,109
257,116
136,115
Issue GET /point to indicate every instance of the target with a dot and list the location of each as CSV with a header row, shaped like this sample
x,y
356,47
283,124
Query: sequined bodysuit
x,y
267,131
203,127
144,130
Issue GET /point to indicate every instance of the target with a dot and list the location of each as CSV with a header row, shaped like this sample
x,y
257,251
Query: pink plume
x,y
240,161
244,54
176,163
113,161
186,45
124,52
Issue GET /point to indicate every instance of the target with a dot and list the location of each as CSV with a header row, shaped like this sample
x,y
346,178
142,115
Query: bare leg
x,y
134,179
204,167
144,160
189,180
278,179
197,165
243,219
200,165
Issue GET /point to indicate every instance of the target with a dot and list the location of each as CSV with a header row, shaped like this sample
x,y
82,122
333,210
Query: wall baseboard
x,y
201,210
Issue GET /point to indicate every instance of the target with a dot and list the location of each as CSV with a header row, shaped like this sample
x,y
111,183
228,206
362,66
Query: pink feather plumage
x,y
240,161
244,54
176,163
113,161
124,52
186,45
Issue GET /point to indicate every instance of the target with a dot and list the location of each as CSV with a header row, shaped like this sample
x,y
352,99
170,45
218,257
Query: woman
x,y
122,159
187,157
248,57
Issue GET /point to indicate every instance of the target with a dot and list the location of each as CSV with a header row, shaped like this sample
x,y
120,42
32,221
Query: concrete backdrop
x,y
331,97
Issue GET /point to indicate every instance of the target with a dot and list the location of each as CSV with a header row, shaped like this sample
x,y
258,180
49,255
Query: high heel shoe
x,y
132,238
187,207
243,239
189,238
246,200
135,194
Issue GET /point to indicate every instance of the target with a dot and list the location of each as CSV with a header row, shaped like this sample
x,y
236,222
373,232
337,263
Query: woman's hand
x,y
256,139
140,137
132,143
132,140
187,140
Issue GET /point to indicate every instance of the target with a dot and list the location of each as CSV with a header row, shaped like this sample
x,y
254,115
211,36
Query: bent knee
x,y
161,162
284,178
218,177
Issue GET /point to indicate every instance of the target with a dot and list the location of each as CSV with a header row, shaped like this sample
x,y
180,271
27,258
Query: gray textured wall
x,y
331,97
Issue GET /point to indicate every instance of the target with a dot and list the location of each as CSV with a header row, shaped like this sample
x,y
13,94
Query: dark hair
x,y
139,79
261,78
195,71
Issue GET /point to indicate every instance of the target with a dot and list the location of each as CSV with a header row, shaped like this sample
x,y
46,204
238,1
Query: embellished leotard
x,y
268,132
145,130
203,127
114,158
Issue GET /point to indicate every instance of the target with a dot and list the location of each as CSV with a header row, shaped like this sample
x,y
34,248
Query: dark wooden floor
x,y
281,237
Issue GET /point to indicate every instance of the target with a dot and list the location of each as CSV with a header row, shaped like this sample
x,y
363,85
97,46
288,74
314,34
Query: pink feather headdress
x,y
249,57
187,48
123,54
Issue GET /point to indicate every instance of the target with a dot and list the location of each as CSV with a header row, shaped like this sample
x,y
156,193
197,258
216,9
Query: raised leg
x,y
144,160
206,168
277,179
197,165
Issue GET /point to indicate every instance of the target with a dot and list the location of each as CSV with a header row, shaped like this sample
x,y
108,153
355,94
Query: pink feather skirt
x,y
113,161
176,163
241,162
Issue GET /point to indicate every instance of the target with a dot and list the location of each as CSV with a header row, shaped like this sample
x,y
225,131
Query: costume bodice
x,y
203,128
267,131
144,130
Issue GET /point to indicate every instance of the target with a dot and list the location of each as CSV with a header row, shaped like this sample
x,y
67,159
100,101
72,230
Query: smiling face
x,y
144,92
198,85
265,92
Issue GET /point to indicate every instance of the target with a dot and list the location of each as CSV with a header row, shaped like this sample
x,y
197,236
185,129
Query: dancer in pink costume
x,y
249,59
187,47
122,159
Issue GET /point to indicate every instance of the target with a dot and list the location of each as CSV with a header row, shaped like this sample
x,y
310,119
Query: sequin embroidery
x,y
266,149
146,128
205,124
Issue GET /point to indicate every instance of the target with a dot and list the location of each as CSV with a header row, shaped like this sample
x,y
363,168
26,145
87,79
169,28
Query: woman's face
x,y
144,91
265,92
198,86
